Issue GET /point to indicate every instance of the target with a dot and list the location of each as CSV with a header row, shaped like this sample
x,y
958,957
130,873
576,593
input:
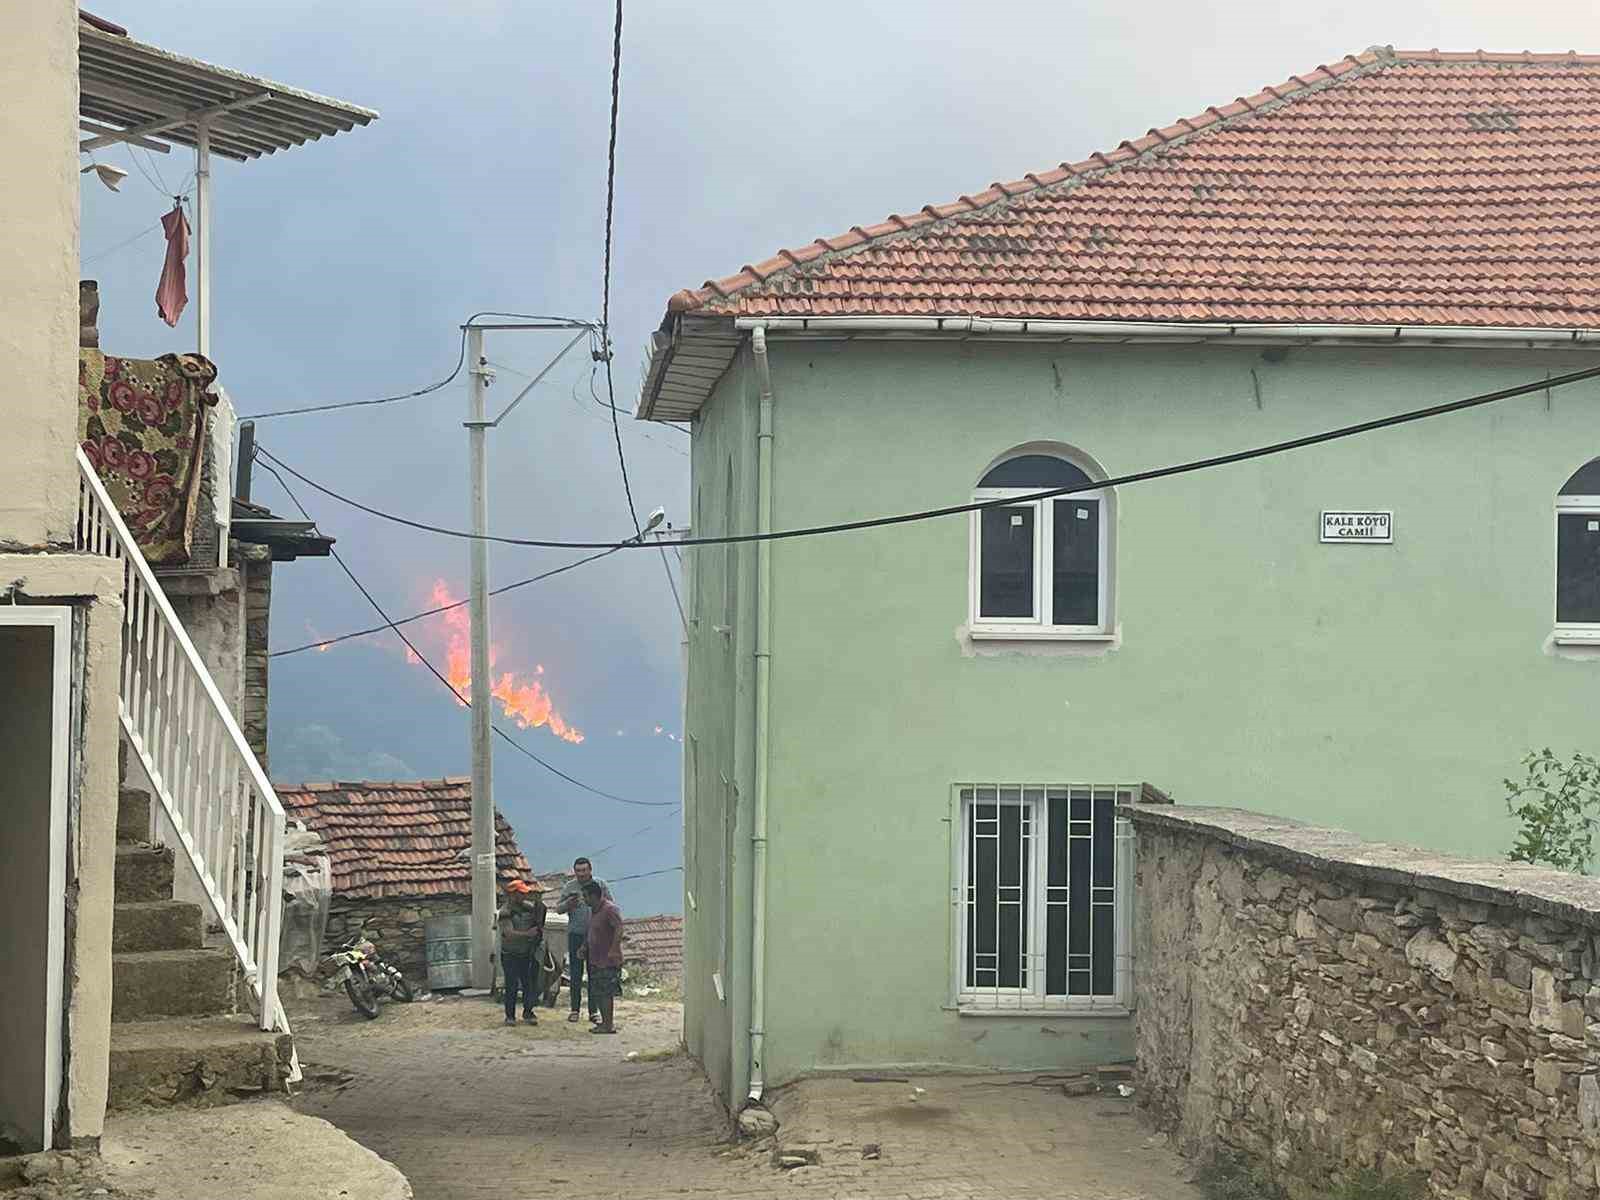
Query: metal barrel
x,y
448,944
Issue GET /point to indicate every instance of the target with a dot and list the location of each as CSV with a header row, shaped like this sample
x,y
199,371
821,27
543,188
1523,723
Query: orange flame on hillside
x,y
525,701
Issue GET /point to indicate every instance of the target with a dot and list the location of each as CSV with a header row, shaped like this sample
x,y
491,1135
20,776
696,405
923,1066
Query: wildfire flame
x,y
523,700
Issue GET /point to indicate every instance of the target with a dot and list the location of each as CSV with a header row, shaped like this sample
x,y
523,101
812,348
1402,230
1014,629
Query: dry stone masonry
x,y
1325,1003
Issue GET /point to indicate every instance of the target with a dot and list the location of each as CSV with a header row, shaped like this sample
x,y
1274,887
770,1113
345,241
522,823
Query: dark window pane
x,y
1006,587
1578,567
1055,930
1013,896
1105,819
1080,870
1105,950
1585,482
1036,471
1076,586
981,913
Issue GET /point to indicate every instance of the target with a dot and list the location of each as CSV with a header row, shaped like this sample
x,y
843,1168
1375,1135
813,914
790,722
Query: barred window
x,y
1045,882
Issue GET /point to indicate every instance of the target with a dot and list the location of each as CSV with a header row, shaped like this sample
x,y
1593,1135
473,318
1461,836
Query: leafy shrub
x,y
1236,1177
1555,805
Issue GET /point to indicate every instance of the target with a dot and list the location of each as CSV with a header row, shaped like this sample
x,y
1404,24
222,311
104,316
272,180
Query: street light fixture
x,y
111,176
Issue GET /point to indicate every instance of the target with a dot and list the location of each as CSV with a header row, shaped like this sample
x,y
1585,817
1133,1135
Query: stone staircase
x,y
177,1034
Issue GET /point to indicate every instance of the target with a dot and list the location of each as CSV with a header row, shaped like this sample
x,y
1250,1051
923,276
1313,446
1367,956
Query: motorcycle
x,y
365,976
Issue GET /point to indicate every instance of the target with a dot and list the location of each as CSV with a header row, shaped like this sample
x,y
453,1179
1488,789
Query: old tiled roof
x,y
400,838
656,941
1410,188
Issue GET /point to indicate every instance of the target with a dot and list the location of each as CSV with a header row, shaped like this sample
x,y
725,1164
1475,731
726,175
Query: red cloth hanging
x,y
171,293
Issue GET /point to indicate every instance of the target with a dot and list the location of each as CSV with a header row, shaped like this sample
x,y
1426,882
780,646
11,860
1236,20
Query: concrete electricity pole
x,y
480,376
483,839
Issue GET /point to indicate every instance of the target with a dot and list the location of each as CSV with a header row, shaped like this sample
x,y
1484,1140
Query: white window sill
x,y
1578,635
1035,1009
1033,633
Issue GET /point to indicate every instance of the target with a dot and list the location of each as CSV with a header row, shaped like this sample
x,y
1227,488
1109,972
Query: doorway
x,y
35,689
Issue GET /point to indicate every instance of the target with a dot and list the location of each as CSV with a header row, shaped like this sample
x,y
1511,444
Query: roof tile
x,y
400,837
1421,187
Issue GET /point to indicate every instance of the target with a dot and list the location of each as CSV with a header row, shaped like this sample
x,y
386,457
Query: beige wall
x,y
93,585
39,264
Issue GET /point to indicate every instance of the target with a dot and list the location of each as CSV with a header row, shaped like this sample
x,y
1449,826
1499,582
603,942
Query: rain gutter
x,y
758,836
1170,331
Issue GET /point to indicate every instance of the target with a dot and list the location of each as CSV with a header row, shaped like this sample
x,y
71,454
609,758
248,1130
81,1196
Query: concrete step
x,y
143,873
133,815
156,925
200,1061
171,983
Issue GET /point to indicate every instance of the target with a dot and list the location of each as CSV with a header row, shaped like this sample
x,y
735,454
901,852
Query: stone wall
x,y
1324,1003
396,924
255,564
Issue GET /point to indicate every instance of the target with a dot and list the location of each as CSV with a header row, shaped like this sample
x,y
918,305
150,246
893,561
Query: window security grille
x,y
1044,892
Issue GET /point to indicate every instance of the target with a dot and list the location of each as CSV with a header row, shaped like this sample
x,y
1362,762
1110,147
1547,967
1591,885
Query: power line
x,y
433,612
644,875
99,254
605,282
1184,468
627,837
422,658
461,358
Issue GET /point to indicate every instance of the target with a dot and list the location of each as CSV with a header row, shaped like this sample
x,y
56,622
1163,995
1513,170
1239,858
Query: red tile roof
x,y
400,838
656,941
1419,188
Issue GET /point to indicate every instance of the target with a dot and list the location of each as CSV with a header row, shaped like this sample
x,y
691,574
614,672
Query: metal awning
x,y
130,89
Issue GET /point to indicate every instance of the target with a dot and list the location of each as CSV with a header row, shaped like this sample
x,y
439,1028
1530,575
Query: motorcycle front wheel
x,y
362,996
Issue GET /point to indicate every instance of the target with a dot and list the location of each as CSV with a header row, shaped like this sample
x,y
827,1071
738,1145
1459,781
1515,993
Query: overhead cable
x,y
605,277
422,658
1184,468
324,643
461,358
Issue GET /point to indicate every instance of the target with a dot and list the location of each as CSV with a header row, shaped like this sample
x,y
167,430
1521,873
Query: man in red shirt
x,y
605,954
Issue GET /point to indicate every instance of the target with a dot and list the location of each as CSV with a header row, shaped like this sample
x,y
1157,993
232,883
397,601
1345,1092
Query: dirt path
x,y
470,1108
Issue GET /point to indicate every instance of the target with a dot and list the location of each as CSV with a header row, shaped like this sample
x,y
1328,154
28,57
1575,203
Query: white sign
x,y
1358,527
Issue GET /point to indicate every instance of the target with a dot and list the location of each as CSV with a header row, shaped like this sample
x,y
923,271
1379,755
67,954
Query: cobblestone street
x,y
469,1108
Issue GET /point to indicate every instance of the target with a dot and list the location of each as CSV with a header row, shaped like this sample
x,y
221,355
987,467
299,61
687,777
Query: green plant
x,y
1555,804
1233,1176
1236,1177
1369,1185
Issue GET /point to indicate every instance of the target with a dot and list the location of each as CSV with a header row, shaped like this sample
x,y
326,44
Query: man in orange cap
x,y
521,940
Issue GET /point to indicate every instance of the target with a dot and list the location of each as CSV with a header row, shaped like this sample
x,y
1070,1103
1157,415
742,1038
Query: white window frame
x,y
1039,627
1580,633
1003,1001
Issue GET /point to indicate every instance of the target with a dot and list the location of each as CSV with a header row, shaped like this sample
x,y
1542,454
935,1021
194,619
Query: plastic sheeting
x,y
307,895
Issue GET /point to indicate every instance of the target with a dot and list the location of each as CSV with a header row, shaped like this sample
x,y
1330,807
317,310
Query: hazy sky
x,y
342,270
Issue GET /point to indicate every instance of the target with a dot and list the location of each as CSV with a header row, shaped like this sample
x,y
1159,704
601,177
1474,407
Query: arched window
x,y
1578,553
1042,568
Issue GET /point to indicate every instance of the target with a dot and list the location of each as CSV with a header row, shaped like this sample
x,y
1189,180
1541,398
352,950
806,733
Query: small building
x,y
654,945
924,731
400,851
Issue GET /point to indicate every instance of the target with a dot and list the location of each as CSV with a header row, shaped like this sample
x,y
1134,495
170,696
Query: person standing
x,y
521,943
605,954
572,903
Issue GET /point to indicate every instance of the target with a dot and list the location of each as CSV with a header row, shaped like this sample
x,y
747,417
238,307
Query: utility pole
x,y
483,833
480,376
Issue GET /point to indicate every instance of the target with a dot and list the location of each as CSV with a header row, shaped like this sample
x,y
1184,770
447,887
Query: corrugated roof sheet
x,y
657,941
400,837
129,83
1417,188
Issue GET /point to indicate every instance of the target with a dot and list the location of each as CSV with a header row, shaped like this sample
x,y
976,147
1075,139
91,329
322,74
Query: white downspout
x,y
758,836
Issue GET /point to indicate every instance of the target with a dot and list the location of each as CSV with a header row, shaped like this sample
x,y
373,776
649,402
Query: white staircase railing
x,y
228,820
